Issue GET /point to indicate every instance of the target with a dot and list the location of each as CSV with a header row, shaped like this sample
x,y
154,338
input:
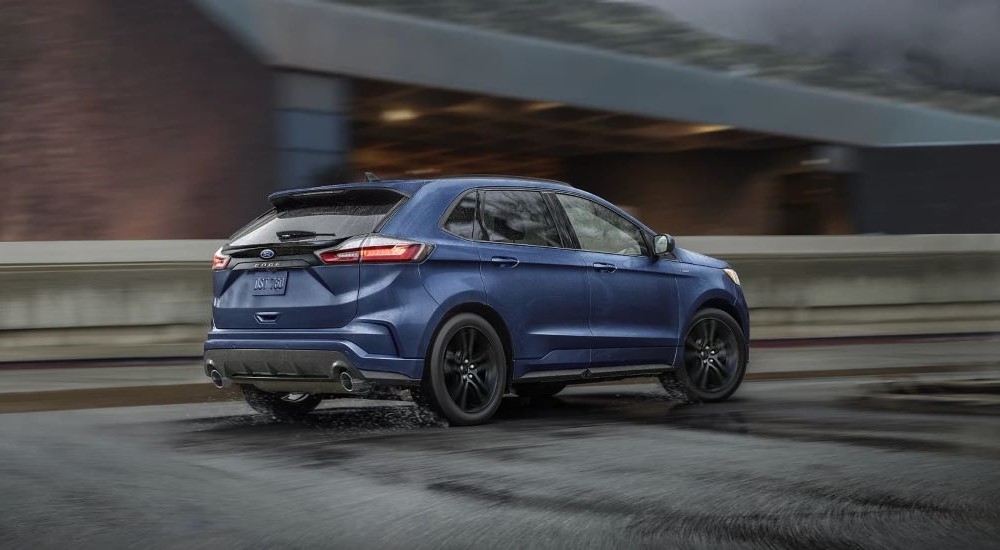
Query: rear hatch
x,y
269,275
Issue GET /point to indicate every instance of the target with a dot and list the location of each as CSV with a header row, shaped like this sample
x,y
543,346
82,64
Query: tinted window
x,y
460,220
520,217
339,214
602,230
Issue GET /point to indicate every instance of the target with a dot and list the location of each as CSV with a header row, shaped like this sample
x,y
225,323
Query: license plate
x,y
269,283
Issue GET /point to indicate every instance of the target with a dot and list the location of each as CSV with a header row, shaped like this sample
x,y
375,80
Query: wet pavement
x,y
783,465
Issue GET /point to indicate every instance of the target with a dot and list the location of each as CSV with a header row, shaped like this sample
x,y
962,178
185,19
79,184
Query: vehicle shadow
x,y
352,435
342,427
354,418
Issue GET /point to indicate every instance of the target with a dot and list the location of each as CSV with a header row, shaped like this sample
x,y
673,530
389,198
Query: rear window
x,y
330,215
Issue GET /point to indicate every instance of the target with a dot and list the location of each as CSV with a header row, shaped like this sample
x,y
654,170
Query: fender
x,y
458,302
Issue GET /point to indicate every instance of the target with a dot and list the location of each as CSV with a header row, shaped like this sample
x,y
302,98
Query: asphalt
x,y
789,464
975,395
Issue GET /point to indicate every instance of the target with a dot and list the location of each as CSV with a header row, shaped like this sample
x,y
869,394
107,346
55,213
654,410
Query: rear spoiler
x,y
327,194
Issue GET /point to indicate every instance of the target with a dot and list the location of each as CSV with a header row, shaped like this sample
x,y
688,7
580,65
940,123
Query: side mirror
x,y
663,244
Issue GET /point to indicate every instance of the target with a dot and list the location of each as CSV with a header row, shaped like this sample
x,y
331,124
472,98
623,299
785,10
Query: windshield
x,y
328,216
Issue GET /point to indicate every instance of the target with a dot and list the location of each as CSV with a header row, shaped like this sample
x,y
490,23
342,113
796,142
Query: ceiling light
x,y
709,128
398,115
814,162
542,106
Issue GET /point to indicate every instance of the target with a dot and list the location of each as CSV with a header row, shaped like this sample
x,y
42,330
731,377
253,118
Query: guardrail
x,y
109,299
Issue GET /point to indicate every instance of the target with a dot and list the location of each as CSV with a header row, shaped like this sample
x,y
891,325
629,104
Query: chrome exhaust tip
x,y
218,380
347,380
354,385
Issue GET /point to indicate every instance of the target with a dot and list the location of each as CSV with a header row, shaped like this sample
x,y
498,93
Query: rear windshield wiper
x,y
294,234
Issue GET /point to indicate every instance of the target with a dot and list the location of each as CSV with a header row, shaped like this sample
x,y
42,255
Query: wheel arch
x,y
722,304
492,317
723,300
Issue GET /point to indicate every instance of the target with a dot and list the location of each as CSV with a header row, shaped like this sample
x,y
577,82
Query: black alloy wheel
x,y
281,405
715,357
466,373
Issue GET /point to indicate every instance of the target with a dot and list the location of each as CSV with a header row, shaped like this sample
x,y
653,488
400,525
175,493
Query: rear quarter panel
x,y
450,276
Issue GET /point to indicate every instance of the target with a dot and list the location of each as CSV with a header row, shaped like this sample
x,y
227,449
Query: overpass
x,y
268,94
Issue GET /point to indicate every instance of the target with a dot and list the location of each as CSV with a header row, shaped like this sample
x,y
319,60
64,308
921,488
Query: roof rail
x,y
502,176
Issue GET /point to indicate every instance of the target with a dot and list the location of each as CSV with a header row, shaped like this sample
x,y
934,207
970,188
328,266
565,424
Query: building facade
x,y
174,119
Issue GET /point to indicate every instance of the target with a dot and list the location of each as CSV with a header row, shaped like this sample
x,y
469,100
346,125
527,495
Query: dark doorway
x,y
815,204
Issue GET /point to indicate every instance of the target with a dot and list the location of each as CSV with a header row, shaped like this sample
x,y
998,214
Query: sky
x,y
951,42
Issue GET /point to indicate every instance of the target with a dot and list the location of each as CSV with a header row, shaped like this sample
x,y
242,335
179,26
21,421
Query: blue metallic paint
x,y
330,299
543,299
559,310
633,314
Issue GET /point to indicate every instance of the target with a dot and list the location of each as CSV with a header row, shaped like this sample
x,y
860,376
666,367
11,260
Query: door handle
x,y
605,268
504,261
266,316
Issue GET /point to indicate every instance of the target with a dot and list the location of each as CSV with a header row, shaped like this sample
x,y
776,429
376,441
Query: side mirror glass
x,y
663,244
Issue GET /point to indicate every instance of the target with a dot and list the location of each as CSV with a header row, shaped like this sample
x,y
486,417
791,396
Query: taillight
x,y
374,249
220,261
349,256
391,253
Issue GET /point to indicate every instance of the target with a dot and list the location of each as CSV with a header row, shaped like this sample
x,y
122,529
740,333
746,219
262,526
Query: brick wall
x,y
128,119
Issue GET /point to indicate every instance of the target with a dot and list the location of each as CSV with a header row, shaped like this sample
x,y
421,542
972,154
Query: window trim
x,y
477,222
451,209
548,208
646,238
562,221
391,213
556,210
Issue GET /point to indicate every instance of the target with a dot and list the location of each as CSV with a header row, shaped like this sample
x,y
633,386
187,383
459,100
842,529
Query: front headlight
x,y
732,275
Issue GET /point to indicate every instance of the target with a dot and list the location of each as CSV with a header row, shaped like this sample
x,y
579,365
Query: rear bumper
x,y
306,366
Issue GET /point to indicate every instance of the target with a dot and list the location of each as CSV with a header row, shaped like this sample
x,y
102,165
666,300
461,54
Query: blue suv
x,y
464,289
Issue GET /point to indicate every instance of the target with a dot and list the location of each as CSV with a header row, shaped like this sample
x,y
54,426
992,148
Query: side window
x,y
460,220
602,230
519,217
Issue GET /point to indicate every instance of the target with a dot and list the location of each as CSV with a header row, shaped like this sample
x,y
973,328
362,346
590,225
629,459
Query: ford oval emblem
x,y
267,254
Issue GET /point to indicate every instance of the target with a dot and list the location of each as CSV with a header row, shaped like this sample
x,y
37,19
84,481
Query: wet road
x,y
785,465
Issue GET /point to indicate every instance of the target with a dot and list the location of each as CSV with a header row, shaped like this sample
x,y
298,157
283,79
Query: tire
x,y
539,390
282,406
466,371
714,360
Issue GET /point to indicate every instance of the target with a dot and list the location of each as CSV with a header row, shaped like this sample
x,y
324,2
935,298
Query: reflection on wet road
x,y
786,465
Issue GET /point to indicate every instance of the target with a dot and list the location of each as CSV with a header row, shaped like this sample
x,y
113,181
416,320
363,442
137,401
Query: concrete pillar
x,y
313,126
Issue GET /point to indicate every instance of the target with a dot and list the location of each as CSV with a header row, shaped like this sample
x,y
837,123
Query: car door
x,y
633,294
535,281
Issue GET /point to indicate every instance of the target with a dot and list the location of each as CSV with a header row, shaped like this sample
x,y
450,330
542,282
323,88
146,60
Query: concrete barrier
x,y
112,299
104,299
820,287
